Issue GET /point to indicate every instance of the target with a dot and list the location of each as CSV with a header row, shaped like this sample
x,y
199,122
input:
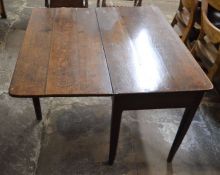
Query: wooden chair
x,y
206,49
66,3
214,12
214,3
2,9
114,3
184,19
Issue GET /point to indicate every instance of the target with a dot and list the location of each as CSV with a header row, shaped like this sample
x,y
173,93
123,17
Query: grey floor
x,y
73,137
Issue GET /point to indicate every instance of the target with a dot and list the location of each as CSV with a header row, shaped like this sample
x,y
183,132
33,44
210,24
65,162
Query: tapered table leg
x,y
37,108
2,9
115,128
46,3
183,128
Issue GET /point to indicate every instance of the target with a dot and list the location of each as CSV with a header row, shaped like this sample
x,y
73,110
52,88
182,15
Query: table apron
x,y
156,100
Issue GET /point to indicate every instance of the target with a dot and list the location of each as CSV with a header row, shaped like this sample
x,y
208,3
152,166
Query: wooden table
x,y
130,54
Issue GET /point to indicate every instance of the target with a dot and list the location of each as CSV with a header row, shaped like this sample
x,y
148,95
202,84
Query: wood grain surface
x,y
144,54
103,51
73,63
30,75
77,62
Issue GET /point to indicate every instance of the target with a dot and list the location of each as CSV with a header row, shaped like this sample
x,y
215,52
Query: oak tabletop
x,y
103,51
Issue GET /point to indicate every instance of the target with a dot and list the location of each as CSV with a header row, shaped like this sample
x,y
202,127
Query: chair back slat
x,y
206,48
208,28
215,4
184,19
189,4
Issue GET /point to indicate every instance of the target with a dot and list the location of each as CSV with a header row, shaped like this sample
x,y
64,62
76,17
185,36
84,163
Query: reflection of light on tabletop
x,y
148,64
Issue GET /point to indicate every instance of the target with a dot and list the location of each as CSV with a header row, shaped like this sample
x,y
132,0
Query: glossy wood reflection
x,y
72,49
131,54
145,55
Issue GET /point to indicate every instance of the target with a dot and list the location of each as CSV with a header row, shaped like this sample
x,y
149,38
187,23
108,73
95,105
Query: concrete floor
x,y
73,137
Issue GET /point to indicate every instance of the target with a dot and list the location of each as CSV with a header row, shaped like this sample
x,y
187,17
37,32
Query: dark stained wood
x,y
2,9
150,68
115,128
67,3
138,56
61,56
144,54
37,108
77,61
46,3
30,75
189,100
120,53
184,126
183,72
76,52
